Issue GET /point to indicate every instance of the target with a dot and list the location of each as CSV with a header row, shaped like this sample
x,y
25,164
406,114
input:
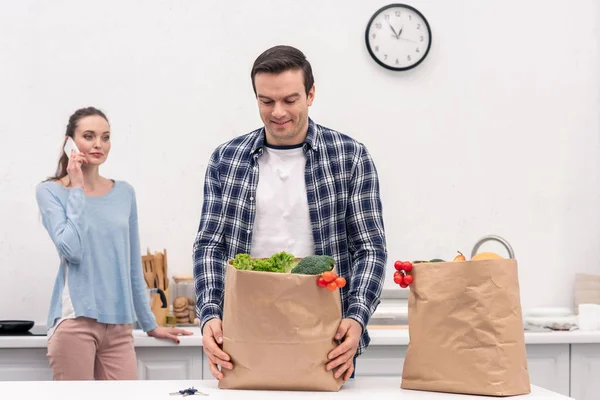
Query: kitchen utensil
x,y
163,298
159,269
165,270
154,274
15,326
158,305
149,272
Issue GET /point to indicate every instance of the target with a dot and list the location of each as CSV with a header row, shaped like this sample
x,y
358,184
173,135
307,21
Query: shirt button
x,y
251,198
255,168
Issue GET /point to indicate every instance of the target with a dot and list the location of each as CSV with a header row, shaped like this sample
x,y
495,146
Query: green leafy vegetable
x,y
278,262
242,261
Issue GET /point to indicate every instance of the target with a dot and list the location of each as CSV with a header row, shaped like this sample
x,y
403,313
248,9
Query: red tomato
x,y
408,279
340,282
329,276
321,282
398,279
398,265
332,286
407,266
403,285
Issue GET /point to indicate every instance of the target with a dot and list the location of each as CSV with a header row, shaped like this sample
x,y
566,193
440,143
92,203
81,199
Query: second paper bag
x,y
466,329
278,329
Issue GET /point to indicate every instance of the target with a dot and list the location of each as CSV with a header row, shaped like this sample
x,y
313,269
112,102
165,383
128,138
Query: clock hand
x,y
393,30
410,40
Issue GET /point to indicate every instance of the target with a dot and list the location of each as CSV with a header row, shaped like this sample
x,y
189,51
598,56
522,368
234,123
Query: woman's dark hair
x,y
61,169
282,58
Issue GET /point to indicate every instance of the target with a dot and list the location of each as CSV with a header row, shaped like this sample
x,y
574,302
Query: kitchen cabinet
x,y
169,363
24,365
206,370
551,366
585,371
381,361
548,366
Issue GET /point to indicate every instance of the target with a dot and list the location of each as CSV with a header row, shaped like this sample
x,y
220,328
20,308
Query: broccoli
x,y
314,265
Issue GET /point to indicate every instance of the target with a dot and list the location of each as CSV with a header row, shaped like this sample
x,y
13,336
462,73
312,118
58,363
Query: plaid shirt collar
x,y
312,136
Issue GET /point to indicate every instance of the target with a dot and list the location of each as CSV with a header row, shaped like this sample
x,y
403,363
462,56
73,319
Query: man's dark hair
x,y
283,58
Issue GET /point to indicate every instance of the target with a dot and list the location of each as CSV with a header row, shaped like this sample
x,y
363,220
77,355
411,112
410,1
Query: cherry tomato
x,y
407,266
328,276
321,282
398,279
398,265
340,282
332,286
408,279
403,285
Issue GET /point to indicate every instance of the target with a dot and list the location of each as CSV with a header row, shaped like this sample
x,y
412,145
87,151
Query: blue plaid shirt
x,y
345,211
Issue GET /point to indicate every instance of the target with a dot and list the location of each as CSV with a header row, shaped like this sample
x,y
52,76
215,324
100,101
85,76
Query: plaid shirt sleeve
x,y
366,238
209,249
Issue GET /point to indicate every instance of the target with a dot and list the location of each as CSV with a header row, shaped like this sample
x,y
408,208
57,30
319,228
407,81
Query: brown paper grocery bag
x,y
278,329
466,329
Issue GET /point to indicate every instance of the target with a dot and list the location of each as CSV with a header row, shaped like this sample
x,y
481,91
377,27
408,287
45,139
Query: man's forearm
x,y
366,286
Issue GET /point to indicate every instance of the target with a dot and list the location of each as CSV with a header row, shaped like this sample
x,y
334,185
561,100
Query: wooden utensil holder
x,y
156,271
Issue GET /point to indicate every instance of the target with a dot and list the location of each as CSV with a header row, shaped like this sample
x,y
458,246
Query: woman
x,y
100,289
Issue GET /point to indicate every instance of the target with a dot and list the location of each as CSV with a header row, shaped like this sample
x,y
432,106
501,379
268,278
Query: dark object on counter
x,y
11,326
189,392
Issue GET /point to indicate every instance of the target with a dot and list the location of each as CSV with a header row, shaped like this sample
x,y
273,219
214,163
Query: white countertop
x,y
379,337
360,388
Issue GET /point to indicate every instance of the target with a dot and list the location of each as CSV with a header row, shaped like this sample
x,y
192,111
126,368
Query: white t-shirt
x,y
282,220
67,306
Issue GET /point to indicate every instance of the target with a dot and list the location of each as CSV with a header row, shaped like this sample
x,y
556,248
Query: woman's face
x,y
92,137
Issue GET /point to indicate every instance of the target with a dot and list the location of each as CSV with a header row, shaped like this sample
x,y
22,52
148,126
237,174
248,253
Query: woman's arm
x,y
66,226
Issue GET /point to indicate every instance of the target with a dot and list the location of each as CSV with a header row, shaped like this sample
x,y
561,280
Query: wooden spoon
x,y
166,270
149,273
159,270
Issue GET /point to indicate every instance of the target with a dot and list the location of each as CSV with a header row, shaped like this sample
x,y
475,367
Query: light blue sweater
x,y
97,240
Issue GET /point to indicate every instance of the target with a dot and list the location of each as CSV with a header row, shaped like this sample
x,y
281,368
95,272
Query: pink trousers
x,y
84,349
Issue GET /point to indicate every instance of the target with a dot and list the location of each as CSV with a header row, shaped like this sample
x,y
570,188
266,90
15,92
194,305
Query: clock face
x,y
398,37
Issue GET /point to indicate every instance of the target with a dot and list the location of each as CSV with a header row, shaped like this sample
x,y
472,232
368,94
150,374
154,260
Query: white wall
x,y
497,132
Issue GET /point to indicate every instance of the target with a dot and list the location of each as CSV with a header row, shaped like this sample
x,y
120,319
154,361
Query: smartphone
x,y
70,145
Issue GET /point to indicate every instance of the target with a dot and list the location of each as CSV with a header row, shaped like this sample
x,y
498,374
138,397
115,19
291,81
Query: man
x,y
318,193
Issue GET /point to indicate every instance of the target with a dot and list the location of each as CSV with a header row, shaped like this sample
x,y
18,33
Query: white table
x,y
373,388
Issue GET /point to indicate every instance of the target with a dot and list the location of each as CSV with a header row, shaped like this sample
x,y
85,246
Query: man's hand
x,y
342,356
162,332
212,338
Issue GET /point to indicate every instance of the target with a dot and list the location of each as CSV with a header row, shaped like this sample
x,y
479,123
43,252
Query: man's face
x,y
283,106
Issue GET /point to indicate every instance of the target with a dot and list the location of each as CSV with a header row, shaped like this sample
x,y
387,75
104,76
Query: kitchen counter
x,y
564,362
360,388
380,336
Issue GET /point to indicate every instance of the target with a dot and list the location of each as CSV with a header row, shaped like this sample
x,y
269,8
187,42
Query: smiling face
x,y
283,106
92,137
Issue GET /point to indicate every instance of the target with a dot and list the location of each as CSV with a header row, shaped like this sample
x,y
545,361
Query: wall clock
x,y
398,37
